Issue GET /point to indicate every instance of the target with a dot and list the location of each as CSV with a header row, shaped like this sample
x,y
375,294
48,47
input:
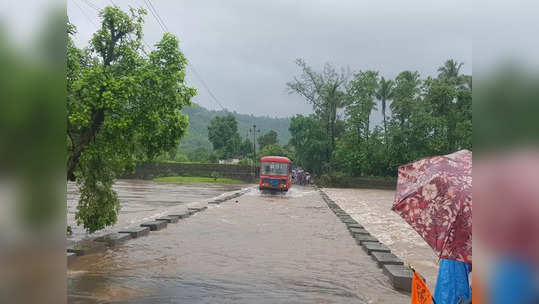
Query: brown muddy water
x,y
263,248
372,208
142,200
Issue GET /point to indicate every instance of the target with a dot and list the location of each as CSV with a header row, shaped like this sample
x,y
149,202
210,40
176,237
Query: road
x,y
261,249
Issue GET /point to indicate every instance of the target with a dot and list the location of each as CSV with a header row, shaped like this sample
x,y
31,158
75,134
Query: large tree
x,y
449,98
361,94
325,91
270,138
276,150
384,94
122,104
224,136
405,96
450,72
310,143
246,147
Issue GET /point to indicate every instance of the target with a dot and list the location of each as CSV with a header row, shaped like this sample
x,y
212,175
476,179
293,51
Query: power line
x,y
205,86
158,16
159,20
155,15
90,4
84,13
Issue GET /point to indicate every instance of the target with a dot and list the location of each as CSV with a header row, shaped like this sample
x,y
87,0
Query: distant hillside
x,y
199,118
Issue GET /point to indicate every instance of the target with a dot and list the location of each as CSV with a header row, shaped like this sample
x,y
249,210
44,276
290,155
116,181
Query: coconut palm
x,y
451,71
384,94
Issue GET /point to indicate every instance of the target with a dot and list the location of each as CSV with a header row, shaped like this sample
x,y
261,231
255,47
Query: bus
x,y
275,173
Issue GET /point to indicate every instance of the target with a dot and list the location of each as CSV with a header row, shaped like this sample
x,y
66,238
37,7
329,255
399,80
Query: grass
x,y
197,179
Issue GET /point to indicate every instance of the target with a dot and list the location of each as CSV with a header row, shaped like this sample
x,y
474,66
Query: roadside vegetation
x,y
124,103
421,117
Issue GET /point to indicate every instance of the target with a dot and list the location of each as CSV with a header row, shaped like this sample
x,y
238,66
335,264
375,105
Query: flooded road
x,y
263,249
372,208
141,200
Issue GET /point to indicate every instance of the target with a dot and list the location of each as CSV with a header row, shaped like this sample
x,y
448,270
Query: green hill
x,y
199,118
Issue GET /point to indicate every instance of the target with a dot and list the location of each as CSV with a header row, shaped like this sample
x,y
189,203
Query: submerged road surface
x,y
263,249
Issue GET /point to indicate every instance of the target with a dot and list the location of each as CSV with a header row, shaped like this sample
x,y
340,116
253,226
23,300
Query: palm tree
x,y
385,93
451,71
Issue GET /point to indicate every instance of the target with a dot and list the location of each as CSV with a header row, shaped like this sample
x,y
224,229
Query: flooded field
x,y
372,208
142,200
264,248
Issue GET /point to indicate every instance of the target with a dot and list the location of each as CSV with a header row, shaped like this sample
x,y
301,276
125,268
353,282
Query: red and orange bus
x,y
275,173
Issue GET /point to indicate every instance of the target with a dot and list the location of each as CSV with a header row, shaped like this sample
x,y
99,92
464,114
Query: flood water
x,y
263,248
372,208
142,200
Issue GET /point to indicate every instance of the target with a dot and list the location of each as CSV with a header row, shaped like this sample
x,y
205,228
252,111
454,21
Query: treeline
x,y
199,118
421,117
228,144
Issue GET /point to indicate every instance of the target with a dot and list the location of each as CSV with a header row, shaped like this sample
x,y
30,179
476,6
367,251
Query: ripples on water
x,y
265,248
141,200
372,208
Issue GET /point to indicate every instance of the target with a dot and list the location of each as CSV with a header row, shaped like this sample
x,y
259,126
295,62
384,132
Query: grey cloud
x,y
245,49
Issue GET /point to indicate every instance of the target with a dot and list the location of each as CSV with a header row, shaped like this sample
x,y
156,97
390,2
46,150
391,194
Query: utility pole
x,y
254,130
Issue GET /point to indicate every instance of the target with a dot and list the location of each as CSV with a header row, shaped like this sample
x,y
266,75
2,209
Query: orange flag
x,y
420,291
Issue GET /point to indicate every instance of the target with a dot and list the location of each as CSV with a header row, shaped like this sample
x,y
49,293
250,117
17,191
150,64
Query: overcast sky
x,y
244,50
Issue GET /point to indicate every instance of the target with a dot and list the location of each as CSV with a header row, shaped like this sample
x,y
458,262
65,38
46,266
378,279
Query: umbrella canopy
x,y
434,195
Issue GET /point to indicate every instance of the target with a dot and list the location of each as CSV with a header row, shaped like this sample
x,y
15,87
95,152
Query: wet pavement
x,y
263,249
372,208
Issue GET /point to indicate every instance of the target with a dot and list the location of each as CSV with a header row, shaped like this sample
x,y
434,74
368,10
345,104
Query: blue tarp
x,y
452,284
513,282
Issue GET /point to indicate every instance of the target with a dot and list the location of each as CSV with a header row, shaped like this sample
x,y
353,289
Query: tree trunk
x,y
384,116
88,136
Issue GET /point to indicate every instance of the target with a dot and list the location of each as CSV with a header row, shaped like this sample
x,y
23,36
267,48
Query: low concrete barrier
x,y
182,215
136,232
363,238
375,247
361,231
399,275
354,225
169,219
114,239
386,258
197,209
155,225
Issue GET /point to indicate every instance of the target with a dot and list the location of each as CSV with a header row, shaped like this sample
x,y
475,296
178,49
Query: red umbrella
x,y
434,195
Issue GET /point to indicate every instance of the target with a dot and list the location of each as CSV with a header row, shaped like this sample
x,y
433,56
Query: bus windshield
x,y
274,168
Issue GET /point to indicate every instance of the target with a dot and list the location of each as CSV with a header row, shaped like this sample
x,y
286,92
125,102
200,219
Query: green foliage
x,y
428,117
224,136
276,150
215,175
384,94
200,117
270,138
325,91
310,143
361,92
122,105
246,147
200,155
